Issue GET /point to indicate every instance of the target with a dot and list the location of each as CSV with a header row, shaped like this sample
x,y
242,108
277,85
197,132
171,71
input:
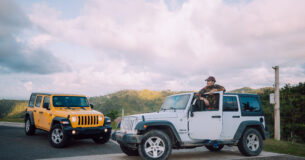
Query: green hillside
x,y
132,101
12,110
250,90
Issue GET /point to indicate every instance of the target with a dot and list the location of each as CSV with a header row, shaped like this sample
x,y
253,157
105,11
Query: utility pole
x,y
277,126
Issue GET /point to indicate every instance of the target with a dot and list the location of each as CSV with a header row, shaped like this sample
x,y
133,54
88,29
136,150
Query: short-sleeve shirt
x,y
209,88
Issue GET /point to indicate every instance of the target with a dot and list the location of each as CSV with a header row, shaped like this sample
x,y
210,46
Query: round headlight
x,y
100,118
73,119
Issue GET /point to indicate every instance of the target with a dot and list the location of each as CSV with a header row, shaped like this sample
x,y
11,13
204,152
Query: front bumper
x,y
126,139
89,132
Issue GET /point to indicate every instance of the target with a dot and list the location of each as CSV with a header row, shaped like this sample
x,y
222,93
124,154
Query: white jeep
x,y
184,121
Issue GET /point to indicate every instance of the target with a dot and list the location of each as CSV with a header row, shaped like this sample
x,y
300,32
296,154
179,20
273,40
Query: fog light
x,y
106,130
73,132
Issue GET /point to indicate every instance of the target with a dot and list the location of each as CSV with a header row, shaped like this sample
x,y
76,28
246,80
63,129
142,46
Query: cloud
x,y
28,86
17,56
201,35
168,44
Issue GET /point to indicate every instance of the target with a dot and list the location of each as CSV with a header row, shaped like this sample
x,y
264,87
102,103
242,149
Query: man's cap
x,y
211,78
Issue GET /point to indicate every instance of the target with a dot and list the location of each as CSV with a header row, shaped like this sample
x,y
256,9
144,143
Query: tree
x,y
113,114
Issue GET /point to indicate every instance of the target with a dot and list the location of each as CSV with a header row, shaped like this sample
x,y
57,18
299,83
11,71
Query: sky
x,y
97,47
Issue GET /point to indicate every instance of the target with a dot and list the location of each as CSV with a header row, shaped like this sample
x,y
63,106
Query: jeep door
x,y
36,110
205,121
46,116
231,116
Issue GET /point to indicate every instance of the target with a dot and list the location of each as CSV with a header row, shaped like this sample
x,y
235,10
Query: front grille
x,y
88,120
127,123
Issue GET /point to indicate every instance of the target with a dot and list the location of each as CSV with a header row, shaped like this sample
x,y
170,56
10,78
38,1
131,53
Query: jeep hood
x,y
156,115
74,112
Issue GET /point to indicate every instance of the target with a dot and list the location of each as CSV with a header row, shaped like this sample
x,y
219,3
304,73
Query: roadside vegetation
x,y
12,110
292,148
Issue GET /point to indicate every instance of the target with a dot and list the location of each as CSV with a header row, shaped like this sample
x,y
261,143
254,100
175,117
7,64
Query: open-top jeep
x,y
184,121
64,117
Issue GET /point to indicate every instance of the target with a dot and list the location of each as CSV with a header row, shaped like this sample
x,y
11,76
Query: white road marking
x,y
12,124
114,142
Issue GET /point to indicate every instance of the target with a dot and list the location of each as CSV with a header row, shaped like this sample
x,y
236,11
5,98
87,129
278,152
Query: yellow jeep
x,y
65,116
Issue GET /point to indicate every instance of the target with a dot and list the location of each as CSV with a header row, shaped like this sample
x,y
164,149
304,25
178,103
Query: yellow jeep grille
x,y
87,121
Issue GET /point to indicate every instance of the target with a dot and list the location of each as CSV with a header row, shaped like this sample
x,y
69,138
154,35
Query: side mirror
x,y
91,105
46,106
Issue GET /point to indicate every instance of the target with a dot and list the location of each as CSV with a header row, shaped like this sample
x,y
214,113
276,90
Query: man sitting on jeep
x,y
210,88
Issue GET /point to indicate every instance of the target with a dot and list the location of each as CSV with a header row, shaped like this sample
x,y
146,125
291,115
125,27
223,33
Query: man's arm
x,y
220,88
217,88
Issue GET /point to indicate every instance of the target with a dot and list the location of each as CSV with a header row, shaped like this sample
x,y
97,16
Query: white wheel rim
x,y
154,147
252,142
57,135
27,125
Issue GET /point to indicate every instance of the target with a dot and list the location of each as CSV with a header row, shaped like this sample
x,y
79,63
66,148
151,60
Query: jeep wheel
x,y
57,137
29,128
101,140
129,151
155,145
215,148
251,143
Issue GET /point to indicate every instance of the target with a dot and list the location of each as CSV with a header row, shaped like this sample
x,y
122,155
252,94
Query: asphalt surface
x,y
14,144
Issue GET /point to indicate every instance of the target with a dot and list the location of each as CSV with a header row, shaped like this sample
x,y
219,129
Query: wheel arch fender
x,y
57,120
249,124
159,124
29,114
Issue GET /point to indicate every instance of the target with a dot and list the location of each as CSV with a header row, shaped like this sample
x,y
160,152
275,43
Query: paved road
x,y
14,144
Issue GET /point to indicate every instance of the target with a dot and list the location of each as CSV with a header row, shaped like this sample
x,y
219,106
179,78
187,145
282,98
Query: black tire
x,y
251,142
215,149
102,139
29,128
129,151
156,141
57,137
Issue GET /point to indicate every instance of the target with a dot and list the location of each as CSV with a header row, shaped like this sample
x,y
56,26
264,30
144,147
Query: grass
x,y
114,125
285,147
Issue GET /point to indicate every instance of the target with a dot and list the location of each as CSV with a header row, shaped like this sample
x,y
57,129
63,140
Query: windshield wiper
x,y
68,107
173,108
164,109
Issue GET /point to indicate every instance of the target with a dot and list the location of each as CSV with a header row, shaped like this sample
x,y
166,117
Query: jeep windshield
x,y
175,102
70,101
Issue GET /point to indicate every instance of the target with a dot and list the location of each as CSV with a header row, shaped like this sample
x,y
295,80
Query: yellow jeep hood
x,y
64,112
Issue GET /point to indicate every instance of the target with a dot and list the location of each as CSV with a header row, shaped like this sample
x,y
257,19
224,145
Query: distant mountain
x,y
12,108
132,101
250,90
